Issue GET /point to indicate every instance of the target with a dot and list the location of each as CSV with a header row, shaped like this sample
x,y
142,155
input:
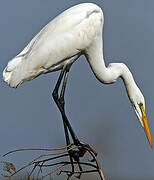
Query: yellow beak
x,y
145,124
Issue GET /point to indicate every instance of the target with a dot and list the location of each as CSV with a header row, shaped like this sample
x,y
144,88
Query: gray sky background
x,y
100,114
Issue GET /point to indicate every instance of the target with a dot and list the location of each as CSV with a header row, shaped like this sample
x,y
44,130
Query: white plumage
x,y
76,31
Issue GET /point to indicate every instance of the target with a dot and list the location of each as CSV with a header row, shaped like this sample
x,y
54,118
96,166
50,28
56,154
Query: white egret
x,y
77,31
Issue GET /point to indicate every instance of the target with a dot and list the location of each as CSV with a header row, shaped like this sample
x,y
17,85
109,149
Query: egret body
x,y
75,32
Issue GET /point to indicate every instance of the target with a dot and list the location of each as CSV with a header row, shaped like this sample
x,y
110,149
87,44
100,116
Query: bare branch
x,y
37,149
62,152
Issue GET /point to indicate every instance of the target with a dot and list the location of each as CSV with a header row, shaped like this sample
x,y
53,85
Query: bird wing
x,y
63,28
59,43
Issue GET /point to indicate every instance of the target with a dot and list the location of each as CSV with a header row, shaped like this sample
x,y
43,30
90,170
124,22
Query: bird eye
x,y
140,105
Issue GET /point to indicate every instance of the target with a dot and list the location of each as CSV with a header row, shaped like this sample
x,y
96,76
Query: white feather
x,y
76,31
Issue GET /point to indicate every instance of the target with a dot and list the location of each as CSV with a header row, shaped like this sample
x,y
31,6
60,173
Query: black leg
x,y
75,154
60,103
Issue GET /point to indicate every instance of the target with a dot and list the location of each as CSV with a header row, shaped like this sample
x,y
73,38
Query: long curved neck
x,y
109,74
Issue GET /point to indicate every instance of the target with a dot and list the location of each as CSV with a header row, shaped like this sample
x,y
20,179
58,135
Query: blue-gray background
x,y
100,114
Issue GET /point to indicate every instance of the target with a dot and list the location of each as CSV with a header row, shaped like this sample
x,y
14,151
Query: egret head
x,y
138,102
8,73
19,70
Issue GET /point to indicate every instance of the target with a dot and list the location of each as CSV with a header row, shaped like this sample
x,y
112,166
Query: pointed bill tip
x,y
146,127
151,145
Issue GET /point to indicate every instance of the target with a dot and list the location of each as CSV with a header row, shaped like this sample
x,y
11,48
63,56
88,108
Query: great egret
x,y
76,31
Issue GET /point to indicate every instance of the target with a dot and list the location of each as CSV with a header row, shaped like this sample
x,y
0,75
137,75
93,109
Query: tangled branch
x,y
45,160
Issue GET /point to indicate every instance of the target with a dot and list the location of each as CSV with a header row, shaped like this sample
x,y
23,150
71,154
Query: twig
x,y
98,164
64,151
53,171
40,156
37,149
67,163
40,170
32,171
49,159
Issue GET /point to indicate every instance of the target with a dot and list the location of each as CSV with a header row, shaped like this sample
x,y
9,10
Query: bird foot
x,y
81,149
